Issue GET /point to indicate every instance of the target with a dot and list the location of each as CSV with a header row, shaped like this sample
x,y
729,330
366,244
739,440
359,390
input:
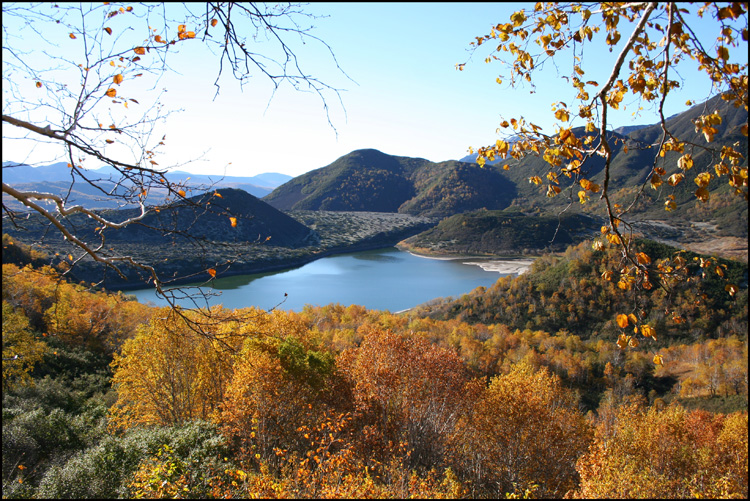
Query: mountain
x,y
630,169
370,180
56,179
204,216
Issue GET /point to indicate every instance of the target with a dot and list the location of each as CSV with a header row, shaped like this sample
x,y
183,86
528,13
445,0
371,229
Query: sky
x,y
400,93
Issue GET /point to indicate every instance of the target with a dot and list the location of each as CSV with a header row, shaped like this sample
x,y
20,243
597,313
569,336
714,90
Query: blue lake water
x,y
384,279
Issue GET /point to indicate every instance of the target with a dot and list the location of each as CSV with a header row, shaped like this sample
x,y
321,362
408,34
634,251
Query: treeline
x,y
110,398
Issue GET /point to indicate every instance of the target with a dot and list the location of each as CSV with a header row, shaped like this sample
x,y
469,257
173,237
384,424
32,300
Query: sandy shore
x,y
502,266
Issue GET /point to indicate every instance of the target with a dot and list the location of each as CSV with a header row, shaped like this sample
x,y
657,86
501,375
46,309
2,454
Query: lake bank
x,y
504,265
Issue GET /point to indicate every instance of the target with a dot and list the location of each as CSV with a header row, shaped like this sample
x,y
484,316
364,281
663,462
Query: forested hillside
x,y
369,180
497,233
633,158
519,389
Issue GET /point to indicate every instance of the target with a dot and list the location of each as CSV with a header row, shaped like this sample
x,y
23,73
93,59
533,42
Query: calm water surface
x,y
384,279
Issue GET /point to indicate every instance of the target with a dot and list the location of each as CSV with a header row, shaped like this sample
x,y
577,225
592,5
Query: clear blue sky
x,y
405,96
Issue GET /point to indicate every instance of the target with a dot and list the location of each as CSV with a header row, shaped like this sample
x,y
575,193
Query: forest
x,y
522,389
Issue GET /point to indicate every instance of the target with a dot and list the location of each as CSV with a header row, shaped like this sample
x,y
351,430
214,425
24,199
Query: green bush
x,y
106,470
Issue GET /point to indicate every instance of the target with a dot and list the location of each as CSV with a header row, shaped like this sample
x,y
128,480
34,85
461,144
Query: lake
x,y
383,279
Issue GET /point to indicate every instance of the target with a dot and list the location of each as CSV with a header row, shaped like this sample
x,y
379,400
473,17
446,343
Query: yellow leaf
x,y
181,28
702,194
233,221
117,78
562,115
614,239
675,179
190,34
181,193
622,320
218,194
685,162
703,179
658,360
633,318
643,258
656,181
552,191
582,196
607,275
535,180
731,289
633,342
622,341
648,331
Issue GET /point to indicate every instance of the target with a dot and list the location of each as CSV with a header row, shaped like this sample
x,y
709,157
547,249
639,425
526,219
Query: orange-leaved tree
x,y
653,46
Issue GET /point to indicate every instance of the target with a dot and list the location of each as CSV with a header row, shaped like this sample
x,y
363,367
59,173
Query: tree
x,y
523,432
77,77
21,350
670,453
662,40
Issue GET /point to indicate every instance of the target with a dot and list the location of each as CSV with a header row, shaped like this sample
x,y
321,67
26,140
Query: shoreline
x,y
501,265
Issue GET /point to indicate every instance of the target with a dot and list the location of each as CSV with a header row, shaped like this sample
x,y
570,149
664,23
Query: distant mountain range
x,y
56,178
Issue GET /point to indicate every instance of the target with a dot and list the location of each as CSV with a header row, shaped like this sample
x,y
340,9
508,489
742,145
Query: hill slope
x,y
203,217
507,232
369,180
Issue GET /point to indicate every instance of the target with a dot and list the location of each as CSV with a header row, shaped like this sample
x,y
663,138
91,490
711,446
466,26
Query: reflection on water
x,y
381,258
385,279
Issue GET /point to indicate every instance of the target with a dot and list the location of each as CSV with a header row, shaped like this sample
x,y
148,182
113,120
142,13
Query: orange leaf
x,y
117,78
181,193
139,50
39,85
111,92
233,221
702,194
622,320
643,258
214,22
731,289
648,331
108,30
72,36
658,360
212,272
